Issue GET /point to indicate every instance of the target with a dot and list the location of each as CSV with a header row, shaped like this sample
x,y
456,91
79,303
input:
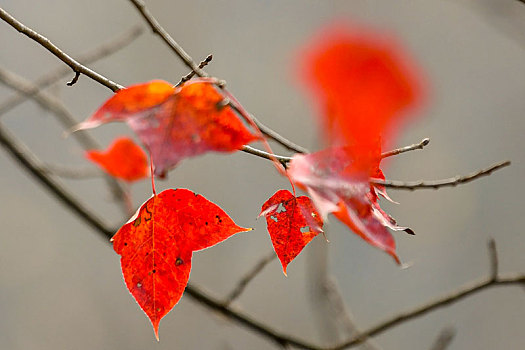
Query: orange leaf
x,y
292,223
131,100
157,244
188,121
123,159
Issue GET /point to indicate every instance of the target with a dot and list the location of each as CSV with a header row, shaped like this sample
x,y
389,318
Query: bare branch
x,y
61,55
248,277
444,339
417,185
454,297
413,147
54,75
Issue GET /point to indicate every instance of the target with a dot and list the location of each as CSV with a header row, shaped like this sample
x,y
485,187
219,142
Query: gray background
x,y
60,284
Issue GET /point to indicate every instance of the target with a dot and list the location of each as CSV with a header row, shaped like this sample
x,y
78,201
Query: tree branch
x,y
61,55
451,182
54,75
451,298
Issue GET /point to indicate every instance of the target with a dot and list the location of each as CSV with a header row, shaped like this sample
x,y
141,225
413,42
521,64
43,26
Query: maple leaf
x,y
175,122
157,244
335,188
292,223
123,159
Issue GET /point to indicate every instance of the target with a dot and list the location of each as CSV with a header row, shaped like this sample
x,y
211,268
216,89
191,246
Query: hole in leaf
x,y
273,218
305,229
280,208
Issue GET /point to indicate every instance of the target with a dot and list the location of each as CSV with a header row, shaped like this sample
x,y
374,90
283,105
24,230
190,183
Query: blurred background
x,y
60,283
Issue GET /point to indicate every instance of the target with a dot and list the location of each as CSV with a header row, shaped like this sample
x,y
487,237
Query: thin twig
x,y
444,338
190,63
413,147
55,75
248,277
257,152
190,75
451,182
45,42
74,80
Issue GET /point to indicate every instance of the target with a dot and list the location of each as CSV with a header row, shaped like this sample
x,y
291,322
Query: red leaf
x,y
335,188
363,83
156,246
123,159
292,223
188,121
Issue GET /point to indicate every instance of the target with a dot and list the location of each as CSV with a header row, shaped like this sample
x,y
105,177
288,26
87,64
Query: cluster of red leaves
x,y
362,87
157,244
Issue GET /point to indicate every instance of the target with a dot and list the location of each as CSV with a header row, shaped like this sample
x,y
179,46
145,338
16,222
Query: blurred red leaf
x,y
123,159
364,83
175,123
292,223
157,244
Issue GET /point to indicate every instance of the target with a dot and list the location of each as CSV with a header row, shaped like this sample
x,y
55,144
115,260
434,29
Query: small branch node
x,y
444,338
191,74
494,262
74,80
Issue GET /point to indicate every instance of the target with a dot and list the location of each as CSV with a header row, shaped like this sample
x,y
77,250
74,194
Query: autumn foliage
x,y
157,244
362,86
